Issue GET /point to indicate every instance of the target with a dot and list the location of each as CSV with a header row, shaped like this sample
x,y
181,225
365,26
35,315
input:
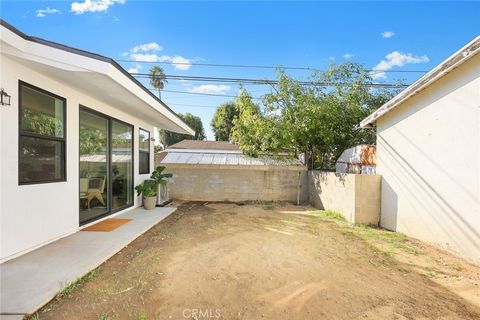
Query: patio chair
x,y
96,187
83,188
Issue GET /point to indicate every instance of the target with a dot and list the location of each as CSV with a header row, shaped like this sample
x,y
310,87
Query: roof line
x,y
91,55
452,62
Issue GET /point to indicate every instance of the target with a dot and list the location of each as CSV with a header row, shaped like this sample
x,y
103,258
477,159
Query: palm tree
x,y
158,79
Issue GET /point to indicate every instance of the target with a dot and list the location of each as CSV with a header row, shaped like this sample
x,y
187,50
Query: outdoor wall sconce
x,y
4,98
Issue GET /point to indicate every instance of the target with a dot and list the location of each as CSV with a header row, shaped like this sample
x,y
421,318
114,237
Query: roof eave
x,y
178,121
452,62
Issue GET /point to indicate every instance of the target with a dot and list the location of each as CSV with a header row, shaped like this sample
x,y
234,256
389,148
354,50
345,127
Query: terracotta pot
x,y
149,202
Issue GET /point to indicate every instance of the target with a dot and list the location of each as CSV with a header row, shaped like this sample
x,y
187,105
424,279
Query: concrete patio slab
x,y
33,279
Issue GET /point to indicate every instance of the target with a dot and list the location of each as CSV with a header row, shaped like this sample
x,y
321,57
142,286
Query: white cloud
x,y
147,52
348,56
387,34
135,69
396,59
152,46
180,63
42,12
210,88
144,57
93,5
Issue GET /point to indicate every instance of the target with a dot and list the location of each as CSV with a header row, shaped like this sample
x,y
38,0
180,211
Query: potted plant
x,y
161,179
148,189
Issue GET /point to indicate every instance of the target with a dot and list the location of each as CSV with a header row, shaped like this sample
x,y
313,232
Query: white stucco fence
x,y
355,196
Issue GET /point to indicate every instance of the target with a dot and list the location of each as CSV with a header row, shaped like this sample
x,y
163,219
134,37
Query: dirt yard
x,y
271,261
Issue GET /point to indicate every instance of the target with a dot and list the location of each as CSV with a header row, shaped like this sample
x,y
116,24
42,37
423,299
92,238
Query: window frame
x,y
140,151
22,133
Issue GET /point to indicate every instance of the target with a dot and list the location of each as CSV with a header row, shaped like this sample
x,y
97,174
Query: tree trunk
x,y
309,159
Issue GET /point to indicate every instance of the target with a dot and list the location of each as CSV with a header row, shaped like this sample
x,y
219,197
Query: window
x,y
41,142
144,156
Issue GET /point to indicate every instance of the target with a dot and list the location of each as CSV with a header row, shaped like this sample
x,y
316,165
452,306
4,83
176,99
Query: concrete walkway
x,y
33,279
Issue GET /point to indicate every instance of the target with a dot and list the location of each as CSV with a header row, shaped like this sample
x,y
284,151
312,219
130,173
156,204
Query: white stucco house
x,y
74,140
428,153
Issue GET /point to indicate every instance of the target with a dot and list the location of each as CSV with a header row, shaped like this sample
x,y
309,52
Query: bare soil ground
x,y
271,261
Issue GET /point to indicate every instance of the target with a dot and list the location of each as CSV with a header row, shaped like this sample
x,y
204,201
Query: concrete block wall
x,y
237,183
355,196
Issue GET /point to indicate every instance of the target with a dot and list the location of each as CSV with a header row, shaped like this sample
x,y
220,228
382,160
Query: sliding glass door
x,y
122,164
93,166
106,165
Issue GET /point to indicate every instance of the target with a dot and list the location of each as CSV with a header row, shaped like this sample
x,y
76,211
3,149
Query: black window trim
x,y
139,151
62,140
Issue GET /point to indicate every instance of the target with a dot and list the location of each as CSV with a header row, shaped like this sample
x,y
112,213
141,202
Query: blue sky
x,y
381,35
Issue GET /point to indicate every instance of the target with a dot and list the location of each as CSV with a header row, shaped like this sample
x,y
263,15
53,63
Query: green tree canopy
x,y
254,132
168,138
222,121
318,121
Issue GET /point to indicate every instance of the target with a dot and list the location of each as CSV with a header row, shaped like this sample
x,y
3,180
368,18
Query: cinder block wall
x,y
355,196
237,183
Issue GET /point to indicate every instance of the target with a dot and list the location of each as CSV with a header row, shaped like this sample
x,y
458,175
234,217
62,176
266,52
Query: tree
x,y
222,122
158,79
319,121
168,138
252,131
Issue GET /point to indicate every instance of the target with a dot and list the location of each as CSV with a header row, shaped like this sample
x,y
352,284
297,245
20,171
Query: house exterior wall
x,y
33,215
355,196
236,183
428,151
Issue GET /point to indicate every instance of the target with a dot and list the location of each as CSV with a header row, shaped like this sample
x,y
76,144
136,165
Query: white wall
x,y
355,196
32,215
428,152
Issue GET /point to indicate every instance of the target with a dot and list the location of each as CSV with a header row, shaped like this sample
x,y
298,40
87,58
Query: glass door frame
x,y
109,119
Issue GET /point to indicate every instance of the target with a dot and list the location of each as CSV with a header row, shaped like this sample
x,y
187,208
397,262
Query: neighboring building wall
x,y
33,215
428,153
355,196
236,183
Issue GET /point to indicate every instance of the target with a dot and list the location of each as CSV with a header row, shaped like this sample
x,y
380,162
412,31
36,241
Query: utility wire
x,y
255,66
203,94
252,81
191,105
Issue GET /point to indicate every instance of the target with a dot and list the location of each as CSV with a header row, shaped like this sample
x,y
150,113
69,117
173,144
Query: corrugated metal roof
x,y
216,158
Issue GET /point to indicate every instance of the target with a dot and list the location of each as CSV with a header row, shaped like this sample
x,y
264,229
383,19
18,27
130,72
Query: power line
x,y
255,66
203,94
191,105
252,81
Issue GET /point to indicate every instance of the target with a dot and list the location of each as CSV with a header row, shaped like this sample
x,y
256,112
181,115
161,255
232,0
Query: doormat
x,y
107,225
